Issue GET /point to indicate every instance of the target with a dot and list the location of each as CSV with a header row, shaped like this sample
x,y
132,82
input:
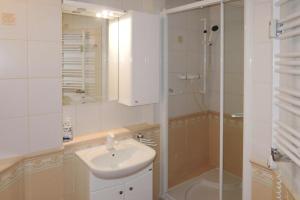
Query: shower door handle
x,y
237,115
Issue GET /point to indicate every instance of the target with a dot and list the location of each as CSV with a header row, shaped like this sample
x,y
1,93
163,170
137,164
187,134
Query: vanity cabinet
x,y
138,186
139,58
113,193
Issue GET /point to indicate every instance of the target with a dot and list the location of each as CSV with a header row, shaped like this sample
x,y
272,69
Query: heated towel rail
x,y
285,31
79,56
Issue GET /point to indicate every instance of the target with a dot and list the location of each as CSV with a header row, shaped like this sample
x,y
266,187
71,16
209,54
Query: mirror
x,y
89,53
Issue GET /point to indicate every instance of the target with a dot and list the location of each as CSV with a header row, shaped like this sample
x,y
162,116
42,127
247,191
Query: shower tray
x,y
206,187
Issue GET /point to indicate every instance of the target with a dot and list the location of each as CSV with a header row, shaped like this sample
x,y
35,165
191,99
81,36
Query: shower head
x,y
214,28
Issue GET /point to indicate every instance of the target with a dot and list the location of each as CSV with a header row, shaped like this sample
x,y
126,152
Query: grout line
x,y
27,75
31,78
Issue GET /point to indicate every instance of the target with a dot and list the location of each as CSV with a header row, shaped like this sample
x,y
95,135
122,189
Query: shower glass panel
x,y
233,100
194,103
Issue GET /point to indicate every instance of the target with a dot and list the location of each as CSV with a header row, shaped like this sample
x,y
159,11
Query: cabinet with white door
x,y
139,58
134,187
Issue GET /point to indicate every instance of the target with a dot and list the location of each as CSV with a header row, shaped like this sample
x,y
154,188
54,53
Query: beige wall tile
x,y
233,147
188,147
13,191
156,180
177,152
214,126
197,145
260,191
46,184
194,146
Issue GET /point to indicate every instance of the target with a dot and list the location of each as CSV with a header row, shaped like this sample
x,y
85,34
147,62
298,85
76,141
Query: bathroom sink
x,y
126,158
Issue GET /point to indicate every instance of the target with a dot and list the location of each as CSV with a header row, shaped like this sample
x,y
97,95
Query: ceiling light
x,y
99,15
111,14
105,13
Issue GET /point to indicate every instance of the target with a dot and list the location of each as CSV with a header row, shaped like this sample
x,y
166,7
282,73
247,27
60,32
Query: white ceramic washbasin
x,y
127,158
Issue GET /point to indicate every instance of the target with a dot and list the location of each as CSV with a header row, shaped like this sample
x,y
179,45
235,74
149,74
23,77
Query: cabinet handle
x,y
131,188
121,192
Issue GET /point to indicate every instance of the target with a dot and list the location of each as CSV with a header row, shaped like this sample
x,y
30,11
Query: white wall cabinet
x,y
139,58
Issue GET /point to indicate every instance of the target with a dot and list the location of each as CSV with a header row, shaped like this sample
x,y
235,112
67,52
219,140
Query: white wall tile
x,y
148,112
213,101
262,63
88,118
178,86
70,113
195,41
46,2
178,21
44,59
44,96
178,40
150,6
44,22
177,105
234,83
109,3
35,20
14,137
116,115
214,81
261,141
233,103
262,15
175,3
195,103
177,61
262,102
13,101
45,132
95,117
195,62
13,61
197,18
18,29
133,5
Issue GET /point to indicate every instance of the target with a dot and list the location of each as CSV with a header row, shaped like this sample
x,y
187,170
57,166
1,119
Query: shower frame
x,y
164,98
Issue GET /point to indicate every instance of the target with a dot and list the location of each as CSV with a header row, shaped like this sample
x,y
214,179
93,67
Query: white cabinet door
x,y
139,59
114,193
140,188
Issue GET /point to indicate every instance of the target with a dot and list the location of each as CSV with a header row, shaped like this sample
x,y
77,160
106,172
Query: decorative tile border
x,y
263,176
11,176
267,177
183,120
43,163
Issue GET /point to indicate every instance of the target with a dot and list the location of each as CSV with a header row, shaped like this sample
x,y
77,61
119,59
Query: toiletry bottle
x,y
68,130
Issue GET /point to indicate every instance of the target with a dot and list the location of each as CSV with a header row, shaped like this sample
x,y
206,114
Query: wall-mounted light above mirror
x,y
91,10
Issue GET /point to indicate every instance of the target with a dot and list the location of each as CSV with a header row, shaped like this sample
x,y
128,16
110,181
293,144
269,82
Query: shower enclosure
x,y
202,121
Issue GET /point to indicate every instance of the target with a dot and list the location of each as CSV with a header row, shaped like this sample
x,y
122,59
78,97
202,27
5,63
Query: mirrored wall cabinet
x,y
109,55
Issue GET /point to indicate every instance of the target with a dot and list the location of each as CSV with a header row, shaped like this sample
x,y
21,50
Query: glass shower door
x,y
193,103
233,100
